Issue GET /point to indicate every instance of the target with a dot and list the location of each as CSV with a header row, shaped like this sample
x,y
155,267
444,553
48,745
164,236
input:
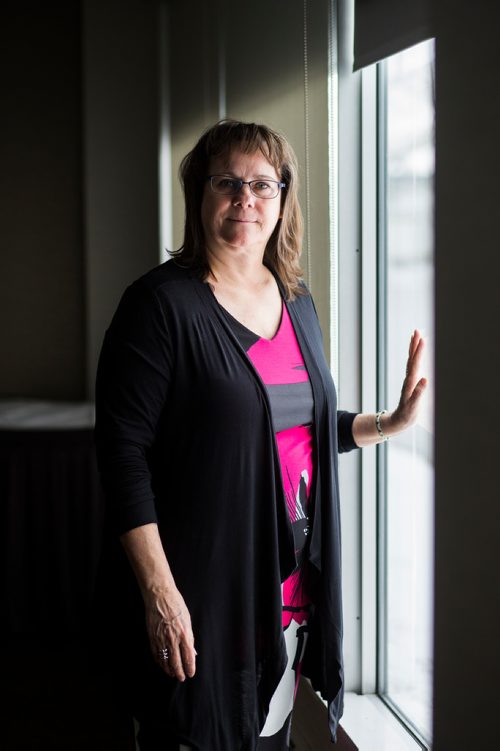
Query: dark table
x,y
51,525
51,518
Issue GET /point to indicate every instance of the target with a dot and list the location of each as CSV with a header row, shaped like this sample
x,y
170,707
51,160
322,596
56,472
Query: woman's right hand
x,y
168,624
168,621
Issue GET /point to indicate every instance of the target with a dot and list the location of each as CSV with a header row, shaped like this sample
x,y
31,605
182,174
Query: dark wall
x,y
42,346
467,619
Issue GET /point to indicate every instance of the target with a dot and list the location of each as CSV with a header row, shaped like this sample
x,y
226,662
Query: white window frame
x,y
368,712
367,716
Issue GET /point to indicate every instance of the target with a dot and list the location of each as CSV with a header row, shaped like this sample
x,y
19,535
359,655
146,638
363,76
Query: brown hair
x,y
284,246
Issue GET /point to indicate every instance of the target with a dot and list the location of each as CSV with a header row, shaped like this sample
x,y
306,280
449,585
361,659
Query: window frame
x,y
373,521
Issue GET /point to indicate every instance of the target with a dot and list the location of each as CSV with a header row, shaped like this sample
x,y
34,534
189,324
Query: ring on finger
x,y
164,654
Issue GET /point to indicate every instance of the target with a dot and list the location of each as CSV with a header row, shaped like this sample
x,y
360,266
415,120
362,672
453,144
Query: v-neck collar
x,y
254,334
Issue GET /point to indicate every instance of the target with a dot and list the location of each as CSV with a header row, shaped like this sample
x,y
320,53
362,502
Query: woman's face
x,y
240,222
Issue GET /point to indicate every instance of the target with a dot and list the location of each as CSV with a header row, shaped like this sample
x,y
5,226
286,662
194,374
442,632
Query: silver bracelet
x,y
377,423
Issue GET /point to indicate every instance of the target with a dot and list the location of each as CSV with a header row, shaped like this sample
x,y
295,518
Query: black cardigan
x,y
185,438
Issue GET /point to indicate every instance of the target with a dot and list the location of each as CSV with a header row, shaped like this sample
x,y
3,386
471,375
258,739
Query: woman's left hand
x,y
406,412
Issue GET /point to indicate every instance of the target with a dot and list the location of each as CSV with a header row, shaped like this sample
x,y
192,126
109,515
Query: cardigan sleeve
x,y
345,438
131,391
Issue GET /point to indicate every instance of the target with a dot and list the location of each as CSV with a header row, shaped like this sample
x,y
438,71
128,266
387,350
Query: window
x,y
405,165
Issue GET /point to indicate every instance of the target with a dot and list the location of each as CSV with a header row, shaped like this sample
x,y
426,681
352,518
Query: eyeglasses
x,y
231,186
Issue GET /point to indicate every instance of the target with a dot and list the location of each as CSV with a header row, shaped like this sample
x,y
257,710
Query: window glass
x,y
406,172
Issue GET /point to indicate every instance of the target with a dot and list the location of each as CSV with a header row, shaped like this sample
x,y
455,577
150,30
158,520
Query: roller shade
x,y
384,27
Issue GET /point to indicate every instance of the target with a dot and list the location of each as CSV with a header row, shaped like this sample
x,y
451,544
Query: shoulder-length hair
x,y
284,246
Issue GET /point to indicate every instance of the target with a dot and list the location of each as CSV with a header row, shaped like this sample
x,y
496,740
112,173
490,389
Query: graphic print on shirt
x,y
295,451
281,367
297,509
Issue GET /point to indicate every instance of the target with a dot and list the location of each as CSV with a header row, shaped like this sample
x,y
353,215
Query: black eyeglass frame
x,y
241,183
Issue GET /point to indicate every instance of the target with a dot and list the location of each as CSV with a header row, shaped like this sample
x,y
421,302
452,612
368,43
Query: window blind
x,y
384,27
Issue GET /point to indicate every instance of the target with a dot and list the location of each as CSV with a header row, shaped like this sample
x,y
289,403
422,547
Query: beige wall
x,y
250,66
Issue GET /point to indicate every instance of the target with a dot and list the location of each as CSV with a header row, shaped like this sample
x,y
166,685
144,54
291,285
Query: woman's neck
x,y
242,270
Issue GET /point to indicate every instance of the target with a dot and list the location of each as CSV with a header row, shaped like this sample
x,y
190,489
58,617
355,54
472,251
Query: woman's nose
x,y
244,195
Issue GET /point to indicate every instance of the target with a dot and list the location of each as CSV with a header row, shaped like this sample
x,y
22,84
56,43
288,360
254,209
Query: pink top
x,y
279,362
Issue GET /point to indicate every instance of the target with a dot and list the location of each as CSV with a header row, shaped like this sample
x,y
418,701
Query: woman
x,y
217,436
